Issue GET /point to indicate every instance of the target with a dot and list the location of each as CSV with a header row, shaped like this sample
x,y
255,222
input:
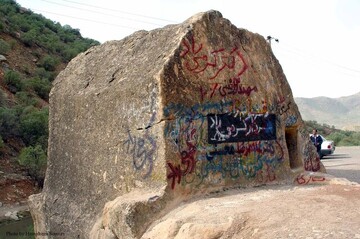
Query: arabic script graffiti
x,y
225,128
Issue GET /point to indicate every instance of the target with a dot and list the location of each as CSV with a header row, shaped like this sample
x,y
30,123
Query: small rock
x,y
12,215
1,204
2,58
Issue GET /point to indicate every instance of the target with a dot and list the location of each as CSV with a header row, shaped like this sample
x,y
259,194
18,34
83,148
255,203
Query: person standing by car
x,y
317,141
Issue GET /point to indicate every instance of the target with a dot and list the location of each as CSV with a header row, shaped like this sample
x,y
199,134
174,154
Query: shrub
x,y
44,74
26,68
25,99
3,98
1,142
352,140
29,38
69,53
12,43
20,21
49,63
41,87
345,138
4,47
34,126
34,159
336,137
13,81
9,122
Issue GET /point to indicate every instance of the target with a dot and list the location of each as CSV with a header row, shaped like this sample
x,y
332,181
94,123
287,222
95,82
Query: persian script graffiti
x,y
306,179
224,128
198,60
232,87
187,165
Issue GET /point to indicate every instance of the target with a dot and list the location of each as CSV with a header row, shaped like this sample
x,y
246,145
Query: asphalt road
x,y
344,163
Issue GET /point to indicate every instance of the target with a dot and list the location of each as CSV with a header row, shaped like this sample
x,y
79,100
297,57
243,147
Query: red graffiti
x,y
190,48
245,150
253,147
261,148
174,174
203,93
234,87
281,99
269,176
312,164
303,181
198,61
281,149
187,160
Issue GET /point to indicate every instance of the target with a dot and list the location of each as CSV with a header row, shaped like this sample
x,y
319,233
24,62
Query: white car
x,y
327,147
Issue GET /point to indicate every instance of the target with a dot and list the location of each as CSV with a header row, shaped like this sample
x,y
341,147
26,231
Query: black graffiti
x,y
227,150
282,109
225,128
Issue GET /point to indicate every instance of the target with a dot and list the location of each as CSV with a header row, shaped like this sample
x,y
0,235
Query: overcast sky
x,y
319,40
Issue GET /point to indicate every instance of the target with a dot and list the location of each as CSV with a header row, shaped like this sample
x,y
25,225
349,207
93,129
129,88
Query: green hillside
x,y
33,50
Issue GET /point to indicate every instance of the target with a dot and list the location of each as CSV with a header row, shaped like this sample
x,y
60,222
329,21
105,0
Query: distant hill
x,y
342,112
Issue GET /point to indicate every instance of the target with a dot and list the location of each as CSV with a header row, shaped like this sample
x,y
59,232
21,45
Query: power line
x,y
307,56
115,10
105,14
85,19
329,61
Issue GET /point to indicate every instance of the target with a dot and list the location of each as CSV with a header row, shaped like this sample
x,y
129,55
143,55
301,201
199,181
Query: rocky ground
x,y
287,211
301,210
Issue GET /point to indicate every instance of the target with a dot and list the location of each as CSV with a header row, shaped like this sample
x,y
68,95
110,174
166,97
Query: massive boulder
x,y
141,124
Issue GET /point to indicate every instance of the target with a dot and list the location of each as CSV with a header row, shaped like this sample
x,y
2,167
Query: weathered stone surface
x,y
141,124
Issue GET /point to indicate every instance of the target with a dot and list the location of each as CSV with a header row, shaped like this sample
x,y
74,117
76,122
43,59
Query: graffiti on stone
x,y
225,128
